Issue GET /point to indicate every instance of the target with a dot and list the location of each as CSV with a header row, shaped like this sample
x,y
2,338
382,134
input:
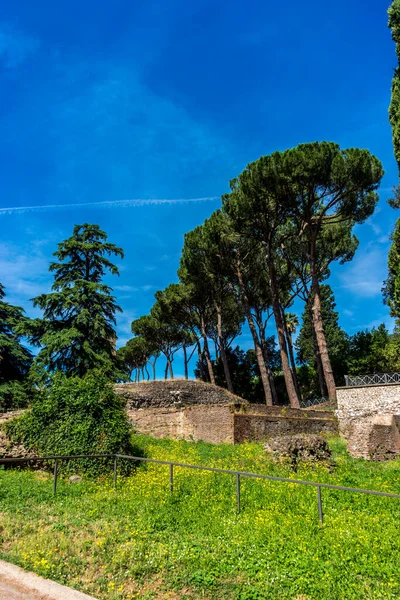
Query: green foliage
x,y
161,332
15,359
142,542
245,372
135,355
368,352
77,331
391,289
394,109
392,351
75,416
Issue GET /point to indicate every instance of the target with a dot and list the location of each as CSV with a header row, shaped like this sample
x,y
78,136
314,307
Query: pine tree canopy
x,y
77,331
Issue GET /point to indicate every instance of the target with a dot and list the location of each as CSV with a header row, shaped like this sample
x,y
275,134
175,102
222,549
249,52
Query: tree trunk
x,y
264,346
153,366
147,373
291,354
287,373
207,352
320,371
185,362
166,371
318,363
257,346
269,371
319,327
222,349
171,373
200,361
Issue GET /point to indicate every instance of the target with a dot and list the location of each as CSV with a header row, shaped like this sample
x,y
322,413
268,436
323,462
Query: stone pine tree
x,y
257,214
15,359
394,109
192,274
77,331
313,186
162,333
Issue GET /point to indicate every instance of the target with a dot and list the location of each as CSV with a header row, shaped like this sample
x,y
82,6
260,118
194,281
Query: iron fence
x,y
313,402
237,474
373,379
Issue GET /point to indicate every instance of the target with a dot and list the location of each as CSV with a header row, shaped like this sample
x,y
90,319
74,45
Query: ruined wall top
x,y
178,392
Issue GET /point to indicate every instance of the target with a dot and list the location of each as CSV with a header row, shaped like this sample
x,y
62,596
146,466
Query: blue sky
x,y
109,101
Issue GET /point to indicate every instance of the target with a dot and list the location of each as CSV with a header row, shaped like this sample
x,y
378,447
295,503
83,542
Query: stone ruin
x,y
369,419
194,410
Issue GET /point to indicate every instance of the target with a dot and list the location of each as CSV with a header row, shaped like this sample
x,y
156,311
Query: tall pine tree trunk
x,y
222,349
291,354
287,373
318,363
207,352
319,327
185,362
267,359
200,361
153,366
267,362
257,346
171,373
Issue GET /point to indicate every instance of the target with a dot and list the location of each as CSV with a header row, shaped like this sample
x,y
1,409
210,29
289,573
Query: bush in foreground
x,y
75,416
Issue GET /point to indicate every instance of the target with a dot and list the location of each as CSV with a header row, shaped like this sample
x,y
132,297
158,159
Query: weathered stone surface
x,y
210,423
258,422
369,419
75,479
175,393
299,448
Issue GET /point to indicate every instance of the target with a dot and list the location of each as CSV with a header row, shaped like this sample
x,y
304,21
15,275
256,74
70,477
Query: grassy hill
x,y
140,542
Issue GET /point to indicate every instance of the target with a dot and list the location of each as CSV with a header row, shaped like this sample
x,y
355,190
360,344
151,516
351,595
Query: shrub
x,y
14,395
75,416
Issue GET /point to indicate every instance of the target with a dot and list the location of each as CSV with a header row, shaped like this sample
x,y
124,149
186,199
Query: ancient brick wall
x,y
270,422
229,423
210,423
369,419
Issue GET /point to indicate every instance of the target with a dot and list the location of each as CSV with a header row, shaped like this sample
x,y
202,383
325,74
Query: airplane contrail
x,y
105,203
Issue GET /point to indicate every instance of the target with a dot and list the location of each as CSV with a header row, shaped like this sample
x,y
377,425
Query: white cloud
x,y
365,275
24,273
132,288
388,321
132,203
348,313
125,288
124,322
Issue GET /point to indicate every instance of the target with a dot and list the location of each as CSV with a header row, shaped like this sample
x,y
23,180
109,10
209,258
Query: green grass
x,y
140,542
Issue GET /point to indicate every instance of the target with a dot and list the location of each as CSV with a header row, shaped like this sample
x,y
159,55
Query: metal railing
x,y
237,474
373,379
313,402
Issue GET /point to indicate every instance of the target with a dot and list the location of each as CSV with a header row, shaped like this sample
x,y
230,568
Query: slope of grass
x,y
140,542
